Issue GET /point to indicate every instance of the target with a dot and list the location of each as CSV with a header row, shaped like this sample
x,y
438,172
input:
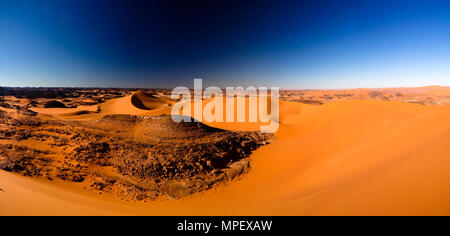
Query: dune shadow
x,y
148,101
137,102
78,113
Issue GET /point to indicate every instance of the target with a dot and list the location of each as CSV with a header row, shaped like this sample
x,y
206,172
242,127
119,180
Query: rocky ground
x,y
135,158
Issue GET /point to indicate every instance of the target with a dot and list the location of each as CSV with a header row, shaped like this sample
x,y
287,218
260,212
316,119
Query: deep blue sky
x,y
289,44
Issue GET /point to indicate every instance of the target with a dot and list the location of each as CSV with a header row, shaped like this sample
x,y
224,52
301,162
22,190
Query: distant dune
x,y
145,101
54,104
431,95
138,103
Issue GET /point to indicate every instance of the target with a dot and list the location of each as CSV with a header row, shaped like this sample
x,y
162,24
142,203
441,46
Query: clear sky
x,y
289,44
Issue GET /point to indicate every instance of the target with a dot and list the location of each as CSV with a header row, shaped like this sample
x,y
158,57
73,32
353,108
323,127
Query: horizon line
x,y
140,88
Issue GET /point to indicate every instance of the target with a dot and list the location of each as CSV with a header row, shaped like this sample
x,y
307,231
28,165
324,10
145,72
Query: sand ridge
x,y
138,103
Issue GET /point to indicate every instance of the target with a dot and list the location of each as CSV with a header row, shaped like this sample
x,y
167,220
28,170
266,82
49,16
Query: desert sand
x,y
374,155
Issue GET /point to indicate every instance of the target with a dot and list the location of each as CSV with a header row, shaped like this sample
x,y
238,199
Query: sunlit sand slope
x,y
342,158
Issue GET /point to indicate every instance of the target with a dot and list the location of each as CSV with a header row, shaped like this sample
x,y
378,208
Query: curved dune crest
x,y
146,101
138,104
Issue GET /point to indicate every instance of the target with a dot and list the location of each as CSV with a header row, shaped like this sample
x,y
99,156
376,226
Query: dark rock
x,y
54,104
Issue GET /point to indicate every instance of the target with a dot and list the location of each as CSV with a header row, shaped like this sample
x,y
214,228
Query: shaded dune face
x,y
145,101
133,157
77,113
54,104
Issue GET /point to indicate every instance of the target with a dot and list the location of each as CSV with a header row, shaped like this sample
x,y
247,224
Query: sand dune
x,y
139,104
134,157
54,104
145,101
341,158
431,95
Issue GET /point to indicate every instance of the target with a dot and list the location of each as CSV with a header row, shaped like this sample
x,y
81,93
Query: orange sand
x,y
342,158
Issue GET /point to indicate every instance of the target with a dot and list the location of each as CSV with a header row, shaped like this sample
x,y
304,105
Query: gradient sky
x,y
289,44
